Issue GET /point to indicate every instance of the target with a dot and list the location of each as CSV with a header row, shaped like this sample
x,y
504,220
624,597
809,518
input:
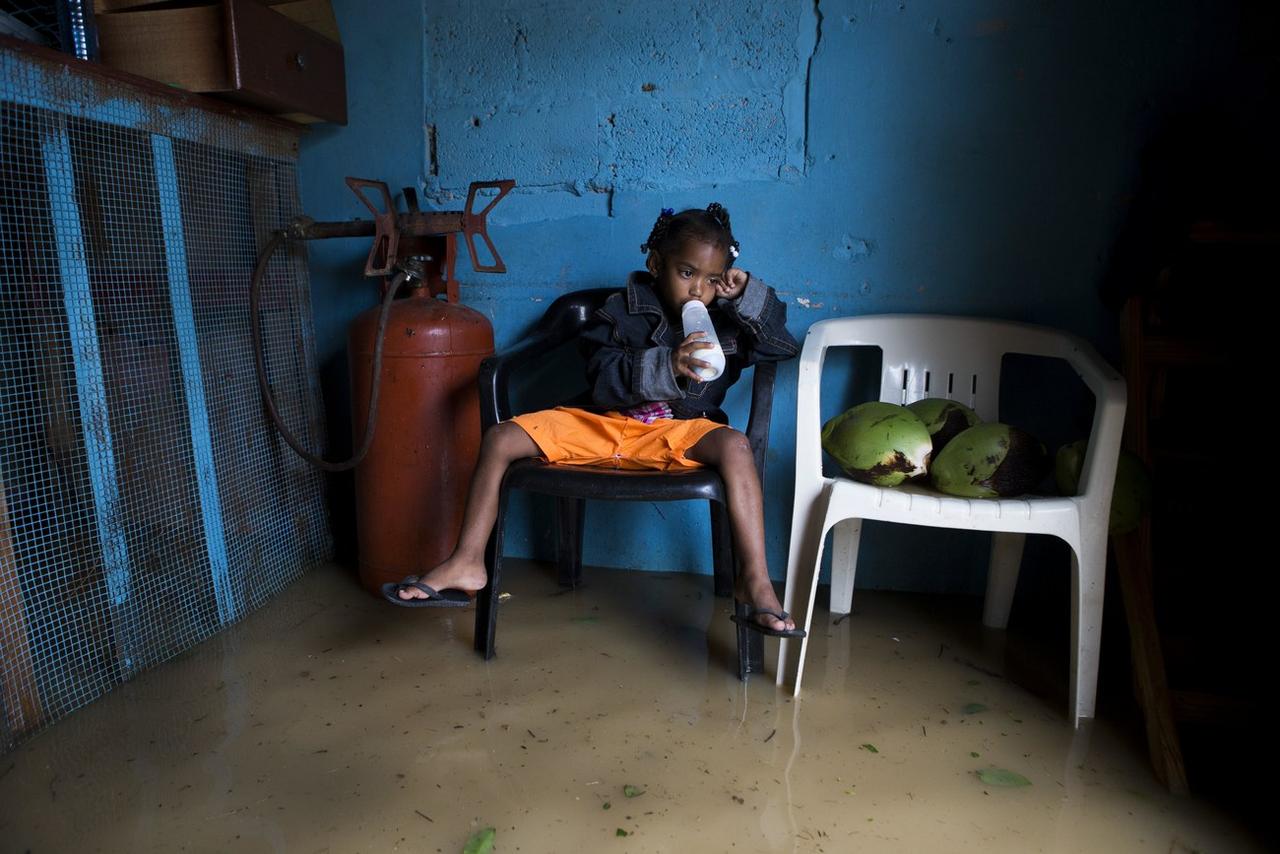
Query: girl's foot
x,y
759,594
454,574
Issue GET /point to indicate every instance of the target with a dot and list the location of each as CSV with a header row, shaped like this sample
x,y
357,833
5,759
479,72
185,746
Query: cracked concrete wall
x,y
590,99
909,155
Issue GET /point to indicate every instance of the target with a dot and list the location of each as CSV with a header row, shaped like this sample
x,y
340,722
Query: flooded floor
x,y
611,720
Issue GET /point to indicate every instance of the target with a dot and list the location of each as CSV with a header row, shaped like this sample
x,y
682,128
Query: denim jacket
x,y
629,341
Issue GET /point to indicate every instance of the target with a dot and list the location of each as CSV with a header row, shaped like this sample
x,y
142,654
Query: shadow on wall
x,y
335,384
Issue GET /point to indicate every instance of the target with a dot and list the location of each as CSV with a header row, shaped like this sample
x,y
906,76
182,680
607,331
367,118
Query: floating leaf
x,y
973,709
973,753
621,832
1001,777
607,805
481,842
870,747
632,791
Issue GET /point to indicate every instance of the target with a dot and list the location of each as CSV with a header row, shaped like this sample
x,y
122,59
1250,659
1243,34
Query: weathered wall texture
x,y
876,156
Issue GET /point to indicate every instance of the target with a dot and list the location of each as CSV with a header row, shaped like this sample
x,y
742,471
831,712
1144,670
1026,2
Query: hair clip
x,y
668,212
733,250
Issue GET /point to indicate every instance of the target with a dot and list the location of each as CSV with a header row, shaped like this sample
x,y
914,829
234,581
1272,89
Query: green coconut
x,y
945,419
878,443
1131,496
990,461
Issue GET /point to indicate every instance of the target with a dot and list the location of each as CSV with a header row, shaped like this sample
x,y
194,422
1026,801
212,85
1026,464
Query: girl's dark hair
x,y
708,226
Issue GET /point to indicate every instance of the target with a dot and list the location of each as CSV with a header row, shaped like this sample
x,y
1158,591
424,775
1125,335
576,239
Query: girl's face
x,y
690,272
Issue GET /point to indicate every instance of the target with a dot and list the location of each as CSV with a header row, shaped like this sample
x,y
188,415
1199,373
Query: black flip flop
x,y
745,615
447,598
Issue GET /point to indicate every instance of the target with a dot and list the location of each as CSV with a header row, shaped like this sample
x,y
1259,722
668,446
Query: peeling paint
x,y
852,248
178,118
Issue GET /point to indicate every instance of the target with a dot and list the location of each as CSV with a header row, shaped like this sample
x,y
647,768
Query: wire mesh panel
x,y
145,501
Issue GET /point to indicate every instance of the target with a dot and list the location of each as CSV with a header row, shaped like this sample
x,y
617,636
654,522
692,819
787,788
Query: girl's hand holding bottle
x,y
684,359
701,335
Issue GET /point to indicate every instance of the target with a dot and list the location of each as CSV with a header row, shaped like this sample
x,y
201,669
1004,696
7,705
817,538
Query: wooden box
x,y
283,58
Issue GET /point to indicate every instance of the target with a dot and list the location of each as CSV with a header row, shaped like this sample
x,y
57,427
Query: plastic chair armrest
x,y
1097,476
761,416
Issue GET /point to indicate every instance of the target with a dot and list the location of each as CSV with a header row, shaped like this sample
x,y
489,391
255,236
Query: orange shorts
x,y
577,437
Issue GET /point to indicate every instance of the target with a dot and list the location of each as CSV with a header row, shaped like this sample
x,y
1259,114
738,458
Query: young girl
x,y
651,408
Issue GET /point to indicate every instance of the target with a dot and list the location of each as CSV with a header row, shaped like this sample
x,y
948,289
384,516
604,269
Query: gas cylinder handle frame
x,y
477,224
386,239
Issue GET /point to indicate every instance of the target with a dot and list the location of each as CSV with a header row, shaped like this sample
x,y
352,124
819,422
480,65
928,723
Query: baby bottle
x,y
694,318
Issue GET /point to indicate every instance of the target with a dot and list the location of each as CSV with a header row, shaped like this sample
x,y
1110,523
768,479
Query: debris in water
x,y
481,842
1002,777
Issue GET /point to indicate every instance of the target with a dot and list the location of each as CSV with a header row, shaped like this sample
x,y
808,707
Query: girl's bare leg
x,y
503,444
730,453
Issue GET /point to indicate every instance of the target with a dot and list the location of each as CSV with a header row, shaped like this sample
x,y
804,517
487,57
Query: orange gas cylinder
x,y
411,487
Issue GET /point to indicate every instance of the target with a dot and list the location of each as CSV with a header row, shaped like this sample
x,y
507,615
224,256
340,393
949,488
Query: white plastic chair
x,y
962,355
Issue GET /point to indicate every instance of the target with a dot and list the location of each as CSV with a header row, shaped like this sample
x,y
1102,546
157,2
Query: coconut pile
x,y
885,445
945,443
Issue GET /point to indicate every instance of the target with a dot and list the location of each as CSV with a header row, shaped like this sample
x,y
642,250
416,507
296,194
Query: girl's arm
x,y
764,318
621,373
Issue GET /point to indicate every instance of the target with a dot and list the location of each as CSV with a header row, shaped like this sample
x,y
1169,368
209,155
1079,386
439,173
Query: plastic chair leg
x,y
570,517
750,646
1088,577
725,563
844,563
487,599
1002,578
808,533
722,550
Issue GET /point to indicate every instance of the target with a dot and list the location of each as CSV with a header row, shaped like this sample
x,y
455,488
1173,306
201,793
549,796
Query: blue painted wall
x,y
383,140
876,156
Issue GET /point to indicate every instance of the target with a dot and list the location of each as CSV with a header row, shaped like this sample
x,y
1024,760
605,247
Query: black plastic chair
x,y
572,485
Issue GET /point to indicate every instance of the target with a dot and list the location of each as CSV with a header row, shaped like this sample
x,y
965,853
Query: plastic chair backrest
x,y
565,317
949,361
955,357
